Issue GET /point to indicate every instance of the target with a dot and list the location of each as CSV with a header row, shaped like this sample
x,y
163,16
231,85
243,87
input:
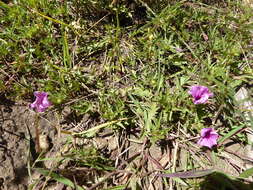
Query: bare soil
x,y
17,140
13,147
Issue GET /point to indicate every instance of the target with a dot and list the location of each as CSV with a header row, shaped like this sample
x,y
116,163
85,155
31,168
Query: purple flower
x,y
200,94
41,103
208,137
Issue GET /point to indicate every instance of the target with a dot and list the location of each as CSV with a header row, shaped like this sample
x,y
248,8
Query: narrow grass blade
x,y
58,178
180,181
55,20
189,174
4,5
95,129
119,187
231,133
247,173
66,55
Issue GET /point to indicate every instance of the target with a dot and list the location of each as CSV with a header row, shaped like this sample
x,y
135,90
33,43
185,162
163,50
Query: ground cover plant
x,y
126,94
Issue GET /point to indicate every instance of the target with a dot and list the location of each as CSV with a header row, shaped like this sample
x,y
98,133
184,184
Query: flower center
x,y
208,134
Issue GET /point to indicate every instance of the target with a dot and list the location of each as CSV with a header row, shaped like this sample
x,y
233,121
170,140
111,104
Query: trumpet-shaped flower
x,y
41,102
200,94
208,137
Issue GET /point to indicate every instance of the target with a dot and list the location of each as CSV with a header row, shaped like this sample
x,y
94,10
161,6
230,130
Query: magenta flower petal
x,y
41,102
208,137
200,94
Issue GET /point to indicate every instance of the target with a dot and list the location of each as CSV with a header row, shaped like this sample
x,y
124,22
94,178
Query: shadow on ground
x,y
219,181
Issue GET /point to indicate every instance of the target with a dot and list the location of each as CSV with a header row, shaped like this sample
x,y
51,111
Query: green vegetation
x,y
130,63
